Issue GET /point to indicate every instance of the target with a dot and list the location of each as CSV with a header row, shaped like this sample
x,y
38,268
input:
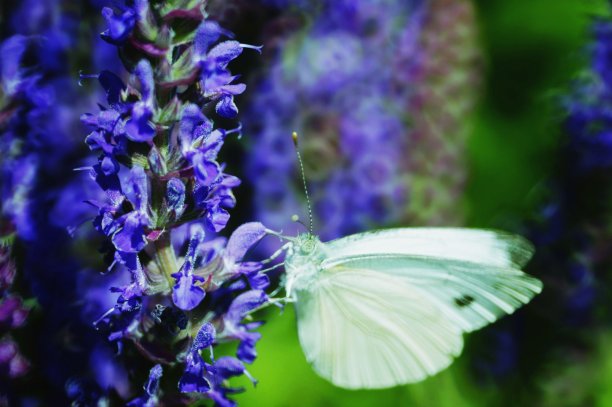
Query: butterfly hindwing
x,y
472,295
362,331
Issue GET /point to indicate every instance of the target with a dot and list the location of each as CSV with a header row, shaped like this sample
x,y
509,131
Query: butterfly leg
x,y
279,302
280,235
276,253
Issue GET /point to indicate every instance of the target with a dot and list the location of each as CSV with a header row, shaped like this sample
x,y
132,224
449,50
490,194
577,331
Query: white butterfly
x,y
390,307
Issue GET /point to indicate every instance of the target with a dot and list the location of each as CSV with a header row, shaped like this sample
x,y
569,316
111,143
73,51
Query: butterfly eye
x,y
308,246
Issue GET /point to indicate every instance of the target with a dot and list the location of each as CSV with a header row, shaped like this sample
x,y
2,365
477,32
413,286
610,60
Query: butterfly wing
x,y
489,247
363,329
470,294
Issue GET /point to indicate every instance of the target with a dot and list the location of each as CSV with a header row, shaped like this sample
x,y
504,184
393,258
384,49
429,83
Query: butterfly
x,y
390,307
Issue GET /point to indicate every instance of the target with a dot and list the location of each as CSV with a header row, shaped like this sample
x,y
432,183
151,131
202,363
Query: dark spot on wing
x,y
464,301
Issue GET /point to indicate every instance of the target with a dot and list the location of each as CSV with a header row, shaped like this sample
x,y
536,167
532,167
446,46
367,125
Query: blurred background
x,y
458,110
487,113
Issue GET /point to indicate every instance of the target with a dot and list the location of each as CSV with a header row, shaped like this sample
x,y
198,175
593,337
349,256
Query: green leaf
x,y
7,240
140,160
147,24
183,31
169,113
171,5
183,68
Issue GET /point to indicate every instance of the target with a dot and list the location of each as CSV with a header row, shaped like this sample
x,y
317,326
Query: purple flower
x,y
151,388
194,377
13,313
228,366
209,378
214,199
130,235
120,25
139,128
241,306
109,182
242,240
186,294
222,264
11,72
127,231
175,196
112,85
208,33
215,77
200,144
119,322
12,364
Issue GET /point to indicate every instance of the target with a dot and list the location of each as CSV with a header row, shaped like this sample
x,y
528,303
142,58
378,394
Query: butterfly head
x,y
303,261
306,244
306,249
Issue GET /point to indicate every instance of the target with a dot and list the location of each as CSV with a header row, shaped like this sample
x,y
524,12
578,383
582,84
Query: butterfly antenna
x,y
294,136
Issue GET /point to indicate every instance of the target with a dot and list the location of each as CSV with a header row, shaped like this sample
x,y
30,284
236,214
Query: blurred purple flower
x,y
335,87
149,399
12,363
120,24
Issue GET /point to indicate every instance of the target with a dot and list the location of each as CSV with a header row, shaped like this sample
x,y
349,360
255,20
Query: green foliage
x,y
532,47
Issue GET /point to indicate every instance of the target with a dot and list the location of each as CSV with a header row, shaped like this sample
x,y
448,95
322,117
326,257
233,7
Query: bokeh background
x,y
414,112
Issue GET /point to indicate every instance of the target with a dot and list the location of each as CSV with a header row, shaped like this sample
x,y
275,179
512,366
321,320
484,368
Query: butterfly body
x,y
386,308
303,263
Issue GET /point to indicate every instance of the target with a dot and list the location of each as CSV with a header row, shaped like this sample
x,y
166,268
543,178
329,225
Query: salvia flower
x,y
193,379
185,293
167,195
234,328
210,378
151,388
120,24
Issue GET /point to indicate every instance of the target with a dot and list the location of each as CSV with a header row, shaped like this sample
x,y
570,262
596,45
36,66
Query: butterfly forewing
x,y
363,331
487,247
